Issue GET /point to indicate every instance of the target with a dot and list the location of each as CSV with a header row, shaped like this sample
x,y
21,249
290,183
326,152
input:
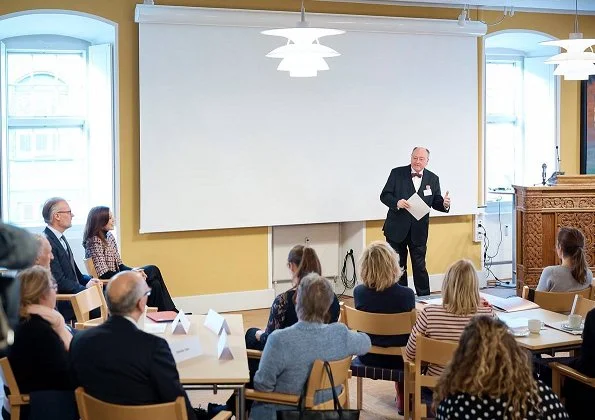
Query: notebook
x,y
163,316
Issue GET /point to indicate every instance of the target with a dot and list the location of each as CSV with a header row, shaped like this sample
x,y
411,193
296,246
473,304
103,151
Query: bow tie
x,y
415,174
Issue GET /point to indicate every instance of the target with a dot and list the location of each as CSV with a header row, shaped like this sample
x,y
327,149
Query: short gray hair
x,y
419,147
125,302
49,208
314,298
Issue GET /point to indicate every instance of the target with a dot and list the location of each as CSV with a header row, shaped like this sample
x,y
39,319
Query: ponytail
x,y
579,266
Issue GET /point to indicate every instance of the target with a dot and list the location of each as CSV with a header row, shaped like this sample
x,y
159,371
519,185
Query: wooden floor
x,y
379,396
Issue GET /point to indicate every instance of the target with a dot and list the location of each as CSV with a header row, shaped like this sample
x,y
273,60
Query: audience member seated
x,y
460,303
39,354
300,261
44,252
290,352
100,245
118,363
380,293
574,273
490,377
58,216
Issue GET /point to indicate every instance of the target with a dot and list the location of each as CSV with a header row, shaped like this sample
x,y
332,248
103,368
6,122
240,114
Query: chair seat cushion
x,y
372,372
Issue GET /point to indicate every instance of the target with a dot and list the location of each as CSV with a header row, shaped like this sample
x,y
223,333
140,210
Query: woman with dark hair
x,y
574,273
490,376
100,245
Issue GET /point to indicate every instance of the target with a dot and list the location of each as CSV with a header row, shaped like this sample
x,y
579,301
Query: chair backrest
x,y
15,399
583,306
319,380
87,300
435,352
91,267
93,409
380,324
554,301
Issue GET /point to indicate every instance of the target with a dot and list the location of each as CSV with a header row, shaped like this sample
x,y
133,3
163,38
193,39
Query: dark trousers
x,y
421,279
159,294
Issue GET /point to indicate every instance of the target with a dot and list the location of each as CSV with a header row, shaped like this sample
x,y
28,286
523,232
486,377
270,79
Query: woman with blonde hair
x,y
380,293
39,355
460,303
490,376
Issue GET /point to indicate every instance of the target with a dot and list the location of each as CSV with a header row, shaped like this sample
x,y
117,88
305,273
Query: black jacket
x,y
118,363
399,222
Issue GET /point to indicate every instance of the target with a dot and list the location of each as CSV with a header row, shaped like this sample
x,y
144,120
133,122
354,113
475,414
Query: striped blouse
x,y
433,321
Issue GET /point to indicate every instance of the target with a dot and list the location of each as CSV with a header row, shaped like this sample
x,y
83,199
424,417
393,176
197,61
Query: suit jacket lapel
x,y
422,185
59,249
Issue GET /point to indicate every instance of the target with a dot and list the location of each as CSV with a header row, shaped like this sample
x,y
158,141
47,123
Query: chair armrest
x,y
253,354
572,373
21,399
223,415
272,397
63,296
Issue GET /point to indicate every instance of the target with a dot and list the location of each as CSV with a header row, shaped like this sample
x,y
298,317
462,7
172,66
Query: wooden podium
x,y
540,212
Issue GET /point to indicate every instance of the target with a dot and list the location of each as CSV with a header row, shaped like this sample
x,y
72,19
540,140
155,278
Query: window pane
x,y
46,85
501,141
502,88
57,162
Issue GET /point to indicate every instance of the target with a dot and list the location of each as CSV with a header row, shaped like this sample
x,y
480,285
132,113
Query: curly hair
x,y
490,363
379,266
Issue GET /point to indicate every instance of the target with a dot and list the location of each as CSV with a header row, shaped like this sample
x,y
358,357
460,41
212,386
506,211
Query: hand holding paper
x,y
417,207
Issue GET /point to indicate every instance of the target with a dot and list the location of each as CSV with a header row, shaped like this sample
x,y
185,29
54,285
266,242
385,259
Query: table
x,y
207,371
549,338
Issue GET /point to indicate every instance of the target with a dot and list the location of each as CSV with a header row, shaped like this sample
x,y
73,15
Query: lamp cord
x,y
348,283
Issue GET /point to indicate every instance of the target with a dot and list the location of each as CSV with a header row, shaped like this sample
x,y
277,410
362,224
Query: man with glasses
x,y
119,363
57,214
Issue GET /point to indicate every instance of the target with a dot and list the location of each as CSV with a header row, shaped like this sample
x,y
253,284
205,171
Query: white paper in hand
x,y
180,324
417,207
185,348
223,351
216,323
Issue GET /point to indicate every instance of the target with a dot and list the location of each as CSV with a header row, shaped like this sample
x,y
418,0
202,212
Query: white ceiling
x,y
558,6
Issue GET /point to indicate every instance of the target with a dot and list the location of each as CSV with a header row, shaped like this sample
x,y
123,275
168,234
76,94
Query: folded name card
x,y
223,351
155,328
185,348
180,324
216,323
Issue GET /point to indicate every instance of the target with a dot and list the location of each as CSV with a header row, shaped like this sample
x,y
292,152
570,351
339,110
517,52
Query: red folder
x,y
163,316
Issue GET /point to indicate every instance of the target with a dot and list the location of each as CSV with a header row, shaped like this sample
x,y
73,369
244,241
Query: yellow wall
x,y
236,259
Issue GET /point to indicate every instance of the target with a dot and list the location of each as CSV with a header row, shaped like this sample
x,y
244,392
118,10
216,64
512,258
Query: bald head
x,y
124,292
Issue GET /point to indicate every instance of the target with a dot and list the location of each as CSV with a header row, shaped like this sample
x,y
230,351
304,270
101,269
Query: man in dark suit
x,y
118,363
401,229
57,214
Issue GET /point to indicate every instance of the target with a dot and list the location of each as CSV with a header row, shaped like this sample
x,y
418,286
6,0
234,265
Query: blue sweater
x,y
289,354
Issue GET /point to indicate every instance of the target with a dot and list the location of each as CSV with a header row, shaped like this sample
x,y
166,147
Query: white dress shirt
x,y
416,180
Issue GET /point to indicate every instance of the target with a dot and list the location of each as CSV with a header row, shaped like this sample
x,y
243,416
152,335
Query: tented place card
x,y
181,324
216,323
155,328
223,351
185,348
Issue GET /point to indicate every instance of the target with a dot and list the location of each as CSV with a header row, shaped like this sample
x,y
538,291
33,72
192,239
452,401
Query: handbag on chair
x,y
338,413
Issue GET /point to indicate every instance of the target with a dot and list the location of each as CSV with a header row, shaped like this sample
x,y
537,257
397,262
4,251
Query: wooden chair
x,y
318,380
378,324
15,399
90,267
582,306
554,301
93,409
435,352
84,302
560,371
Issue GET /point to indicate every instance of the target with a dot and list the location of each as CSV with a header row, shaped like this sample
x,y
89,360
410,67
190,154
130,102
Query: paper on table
x,y
417,207
155,328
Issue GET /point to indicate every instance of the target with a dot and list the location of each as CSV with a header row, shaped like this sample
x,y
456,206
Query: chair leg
x,y
360,384
15,412
347,400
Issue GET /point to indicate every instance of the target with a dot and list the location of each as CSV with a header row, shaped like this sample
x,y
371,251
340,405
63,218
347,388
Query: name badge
x,y
427,191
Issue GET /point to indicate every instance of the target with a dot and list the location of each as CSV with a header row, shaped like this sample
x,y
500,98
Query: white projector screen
x,y
229,141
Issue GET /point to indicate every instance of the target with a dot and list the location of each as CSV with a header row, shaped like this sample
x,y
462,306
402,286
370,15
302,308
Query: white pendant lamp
x,y
303,55
575,63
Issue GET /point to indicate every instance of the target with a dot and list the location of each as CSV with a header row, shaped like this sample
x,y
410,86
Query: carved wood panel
x,y
532,234
585,222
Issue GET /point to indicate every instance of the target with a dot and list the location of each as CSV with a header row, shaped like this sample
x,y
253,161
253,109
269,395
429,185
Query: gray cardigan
x,y
557,278
289,354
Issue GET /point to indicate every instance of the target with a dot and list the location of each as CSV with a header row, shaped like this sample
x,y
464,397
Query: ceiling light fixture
x,y
575,63
303,55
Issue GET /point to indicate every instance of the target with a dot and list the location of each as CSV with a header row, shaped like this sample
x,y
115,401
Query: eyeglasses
x,y
54,286
65,211
147,293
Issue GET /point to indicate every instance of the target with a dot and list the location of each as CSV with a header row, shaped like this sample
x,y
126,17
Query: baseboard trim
x,y
226,302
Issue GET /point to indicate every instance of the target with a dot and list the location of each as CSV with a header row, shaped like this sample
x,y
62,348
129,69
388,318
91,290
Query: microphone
x,y
543,173
553,180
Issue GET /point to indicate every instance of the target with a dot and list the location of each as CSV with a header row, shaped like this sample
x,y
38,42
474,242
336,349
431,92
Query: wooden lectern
x,y
540,212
